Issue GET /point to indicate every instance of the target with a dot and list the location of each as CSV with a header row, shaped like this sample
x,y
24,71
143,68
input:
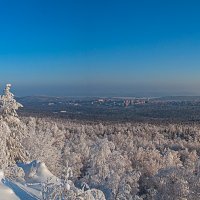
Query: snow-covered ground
x,y
41,184
11,190
36,173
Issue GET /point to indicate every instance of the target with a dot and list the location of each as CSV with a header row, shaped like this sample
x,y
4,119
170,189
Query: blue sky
x,y
100,47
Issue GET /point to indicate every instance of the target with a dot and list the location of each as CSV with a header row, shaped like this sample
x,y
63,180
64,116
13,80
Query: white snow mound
x,y
37,172
6,193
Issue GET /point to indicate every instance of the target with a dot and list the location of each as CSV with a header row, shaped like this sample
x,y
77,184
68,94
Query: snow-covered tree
x,y
11,129
8,104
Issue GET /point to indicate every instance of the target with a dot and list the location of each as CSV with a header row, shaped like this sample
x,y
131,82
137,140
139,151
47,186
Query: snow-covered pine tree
x,y
12,129
8,104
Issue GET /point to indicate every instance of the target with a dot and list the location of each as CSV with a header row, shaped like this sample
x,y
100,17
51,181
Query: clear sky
x,y
100,47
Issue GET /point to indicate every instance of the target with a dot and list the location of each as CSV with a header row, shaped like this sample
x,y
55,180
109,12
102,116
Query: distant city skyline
x,y
100,48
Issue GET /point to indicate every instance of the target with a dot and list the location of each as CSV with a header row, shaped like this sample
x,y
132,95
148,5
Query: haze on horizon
x,y
98,48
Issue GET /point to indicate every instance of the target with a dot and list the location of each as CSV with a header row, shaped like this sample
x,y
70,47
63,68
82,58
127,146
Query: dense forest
x,y
101,161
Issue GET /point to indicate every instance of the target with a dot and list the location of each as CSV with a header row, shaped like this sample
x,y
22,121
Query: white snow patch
x,y
37,172
63,111
6,193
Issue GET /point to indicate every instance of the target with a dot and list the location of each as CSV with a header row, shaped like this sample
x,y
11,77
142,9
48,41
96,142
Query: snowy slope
x,y
23,192
35,173
40,184
6,193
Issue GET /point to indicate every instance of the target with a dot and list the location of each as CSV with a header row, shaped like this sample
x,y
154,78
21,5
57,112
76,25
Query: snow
x,y
11,190
37,172
6,193
37,177
23,192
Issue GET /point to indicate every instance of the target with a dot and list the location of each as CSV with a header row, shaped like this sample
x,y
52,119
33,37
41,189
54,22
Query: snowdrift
x,y
41,184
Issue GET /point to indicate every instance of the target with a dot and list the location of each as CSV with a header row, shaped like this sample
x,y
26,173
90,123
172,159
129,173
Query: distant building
x,y
101,100
128,102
